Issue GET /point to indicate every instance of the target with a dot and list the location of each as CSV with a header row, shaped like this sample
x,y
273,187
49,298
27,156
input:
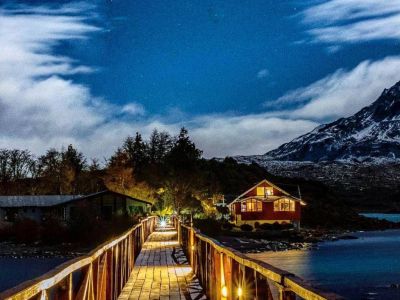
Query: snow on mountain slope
x,y
372,134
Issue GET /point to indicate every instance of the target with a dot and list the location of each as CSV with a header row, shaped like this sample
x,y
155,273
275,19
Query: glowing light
x,y
224,291
193,248
163,223
239,292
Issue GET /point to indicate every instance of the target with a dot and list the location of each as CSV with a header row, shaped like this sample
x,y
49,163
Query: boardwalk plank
x,y
156,275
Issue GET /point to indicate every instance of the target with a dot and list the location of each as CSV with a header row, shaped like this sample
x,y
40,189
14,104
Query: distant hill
x,y
359,156
372,134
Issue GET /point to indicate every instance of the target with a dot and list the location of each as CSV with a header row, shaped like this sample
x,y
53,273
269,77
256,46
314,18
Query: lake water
x,y
357,269
364,268
14,271
389,217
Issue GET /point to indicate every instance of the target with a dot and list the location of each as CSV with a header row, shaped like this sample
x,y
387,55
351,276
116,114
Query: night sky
x,y
243,76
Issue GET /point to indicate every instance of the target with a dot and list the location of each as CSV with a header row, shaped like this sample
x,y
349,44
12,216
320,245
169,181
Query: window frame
x,y
285,205
251,205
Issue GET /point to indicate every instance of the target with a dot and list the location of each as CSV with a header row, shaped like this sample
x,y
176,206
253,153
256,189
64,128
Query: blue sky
x,y
243,76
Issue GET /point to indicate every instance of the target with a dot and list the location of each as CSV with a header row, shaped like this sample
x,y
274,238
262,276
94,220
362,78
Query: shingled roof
x,y
34,201
52,200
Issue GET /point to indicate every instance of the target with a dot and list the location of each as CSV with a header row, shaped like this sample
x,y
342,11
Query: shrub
x,y
286,226
208,226
53,231
226,226
5,231
246,227
266,226
26,231
84,227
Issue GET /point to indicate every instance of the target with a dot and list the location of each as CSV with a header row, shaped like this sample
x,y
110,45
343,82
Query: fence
x,y
226,274
101,274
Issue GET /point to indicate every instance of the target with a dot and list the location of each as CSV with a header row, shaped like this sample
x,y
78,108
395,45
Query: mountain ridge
x,y
370,135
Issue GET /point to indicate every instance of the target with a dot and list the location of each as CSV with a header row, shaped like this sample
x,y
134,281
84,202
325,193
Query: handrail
x,y
225,273
100,274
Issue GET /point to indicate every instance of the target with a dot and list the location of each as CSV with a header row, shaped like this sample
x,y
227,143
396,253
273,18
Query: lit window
x,y
265,191
260,191
269,191
284,205
251,205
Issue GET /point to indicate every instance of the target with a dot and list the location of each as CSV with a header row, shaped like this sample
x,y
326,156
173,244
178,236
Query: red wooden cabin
x,y
266,203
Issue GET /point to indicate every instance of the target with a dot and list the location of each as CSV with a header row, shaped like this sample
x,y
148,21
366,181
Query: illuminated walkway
x,y
161,271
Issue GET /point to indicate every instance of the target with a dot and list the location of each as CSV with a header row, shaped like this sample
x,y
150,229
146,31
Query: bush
x,y
5,231
286,226
226,226
266,226
53,231
87,229
26,231
246,227
275,226
208,226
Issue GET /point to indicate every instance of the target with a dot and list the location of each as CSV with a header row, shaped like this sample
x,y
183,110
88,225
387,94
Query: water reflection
x,y
358,269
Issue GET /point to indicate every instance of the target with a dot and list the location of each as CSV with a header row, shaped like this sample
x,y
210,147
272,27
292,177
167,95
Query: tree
x,y
184,180
119,176
135,150
50,166
5,173
72,164
159,145
20,162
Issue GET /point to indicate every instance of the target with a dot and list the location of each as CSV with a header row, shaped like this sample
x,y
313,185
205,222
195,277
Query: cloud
x,y
245,135
40,107
342,93
262,73
350,21
133,109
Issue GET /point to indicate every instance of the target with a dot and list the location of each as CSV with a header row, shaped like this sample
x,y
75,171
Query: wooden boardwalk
x,y
161,271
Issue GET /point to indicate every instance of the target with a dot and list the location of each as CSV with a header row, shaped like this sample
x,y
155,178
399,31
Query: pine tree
x,y
183,182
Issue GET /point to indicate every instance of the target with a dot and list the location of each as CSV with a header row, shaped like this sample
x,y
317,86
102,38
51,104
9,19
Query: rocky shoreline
x,y
303,240
18,251
306,240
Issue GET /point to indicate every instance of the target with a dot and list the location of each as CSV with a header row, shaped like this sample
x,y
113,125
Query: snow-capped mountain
x,y
372,134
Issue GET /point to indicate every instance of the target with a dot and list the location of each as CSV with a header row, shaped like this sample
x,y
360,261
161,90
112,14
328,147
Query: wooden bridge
x,y
176,262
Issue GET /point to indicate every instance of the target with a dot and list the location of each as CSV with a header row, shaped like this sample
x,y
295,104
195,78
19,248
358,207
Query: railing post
x,y
43,295
142,234
263,291
63,290
285,294
227,272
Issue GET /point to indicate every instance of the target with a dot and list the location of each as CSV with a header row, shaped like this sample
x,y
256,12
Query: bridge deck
x,y
161,271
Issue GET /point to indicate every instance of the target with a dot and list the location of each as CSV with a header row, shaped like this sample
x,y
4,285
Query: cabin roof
x,y
35,200
52,200
267,199
240,197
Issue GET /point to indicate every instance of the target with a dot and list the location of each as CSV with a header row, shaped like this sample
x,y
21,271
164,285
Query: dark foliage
x,y
208,226
246,227
26,231
53,231
167,170
226,226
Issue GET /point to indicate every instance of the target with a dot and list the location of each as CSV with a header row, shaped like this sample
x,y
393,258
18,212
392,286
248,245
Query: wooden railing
x,y
227,274
101,274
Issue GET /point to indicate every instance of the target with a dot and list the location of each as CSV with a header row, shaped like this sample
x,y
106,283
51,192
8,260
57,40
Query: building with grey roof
x,y
104,204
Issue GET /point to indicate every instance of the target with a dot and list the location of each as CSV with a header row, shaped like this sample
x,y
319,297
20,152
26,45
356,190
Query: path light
x,y
163,223
224,291
239,292
193,248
